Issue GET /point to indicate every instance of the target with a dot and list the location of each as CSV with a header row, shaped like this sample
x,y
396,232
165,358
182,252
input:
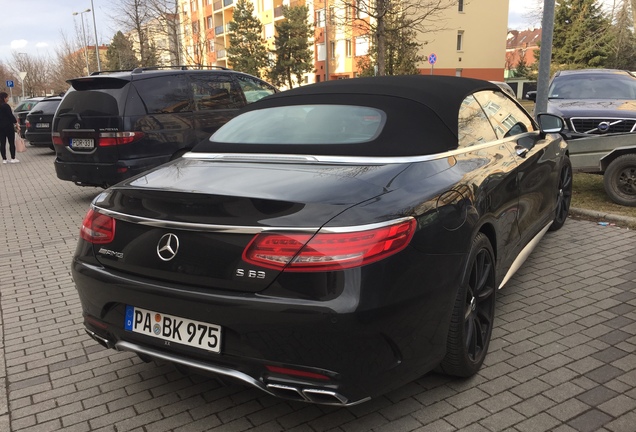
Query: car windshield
x,y
610,86
26,106
303,124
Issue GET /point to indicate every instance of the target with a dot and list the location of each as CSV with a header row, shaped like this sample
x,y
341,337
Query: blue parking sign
x,y
9,83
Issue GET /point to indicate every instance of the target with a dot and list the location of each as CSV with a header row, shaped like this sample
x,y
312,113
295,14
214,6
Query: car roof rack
x,y
109,71
179,67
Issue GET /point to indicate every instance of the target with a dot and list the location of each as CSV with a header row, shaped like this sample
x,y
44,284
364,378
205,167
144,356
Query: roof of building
x,y
523,38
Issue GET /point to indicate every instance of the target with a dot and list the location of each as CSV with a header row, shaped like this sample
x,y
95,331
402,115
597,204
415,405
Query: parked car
x,y
112,126
39,121
333,241
22,110
593,101
599,107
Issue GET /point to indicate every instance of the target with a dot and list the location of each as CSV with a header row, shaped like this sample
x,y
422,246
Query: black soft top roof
x,y
422,113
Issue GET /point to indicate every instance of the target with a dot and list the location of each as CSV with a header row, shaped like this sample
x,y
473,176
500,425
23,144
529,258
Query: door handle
x,y
521,151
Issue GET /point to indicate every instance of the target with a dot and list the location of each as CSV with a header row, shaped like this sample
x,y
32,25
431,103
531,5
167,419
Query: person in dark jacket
x,y
7,124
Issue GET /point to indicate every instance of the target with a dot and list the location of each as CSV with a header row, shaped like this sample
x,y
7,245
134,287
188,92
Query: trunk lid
x,y
204,227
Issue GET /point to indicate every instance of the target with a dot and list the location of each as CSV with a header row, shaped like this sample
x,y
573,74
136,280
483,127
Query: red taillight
x,y
97,228
118,138
296,372
57,139
328,251
27,124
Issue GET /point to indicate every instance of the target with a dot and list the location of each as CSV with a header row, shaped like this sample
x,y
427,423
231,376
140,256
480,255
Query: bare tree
x,y
38,76
70,63
134,16
371,17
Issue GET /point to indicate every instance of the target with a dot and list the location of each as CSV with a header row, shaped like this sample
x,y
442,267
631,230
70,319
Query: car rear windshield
x,y
597,86
304,124
95,98
46,106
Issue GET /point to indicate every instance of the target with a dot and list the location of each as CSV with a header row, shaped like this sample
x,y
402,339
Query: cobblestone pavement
x,y
562,357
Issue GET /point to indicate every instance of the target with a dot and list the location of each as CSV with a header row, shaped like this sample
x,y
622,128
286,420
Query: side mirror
x,y
550,123
532,95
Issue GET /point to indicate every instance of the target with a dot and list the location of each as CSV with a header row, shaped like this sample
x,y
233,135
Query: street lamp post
x,y
99,66
81,14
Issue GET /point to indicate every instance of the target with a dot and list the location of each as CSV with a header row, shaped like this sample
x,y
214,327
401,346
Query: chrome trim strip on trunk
x,y
524,254
231,229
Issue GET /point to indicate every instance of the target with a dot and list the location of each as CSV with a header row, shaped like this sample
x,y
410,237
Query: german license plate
x,y
173,329
82,143
42,125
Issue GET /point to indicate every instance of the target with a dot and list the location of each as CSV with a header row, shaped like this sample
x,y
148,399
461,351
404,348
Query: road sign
x,y
432,58
10,83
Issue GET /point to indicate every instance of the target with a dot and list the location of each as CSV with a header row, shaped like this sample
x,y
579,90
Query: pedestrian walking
x,y
7,132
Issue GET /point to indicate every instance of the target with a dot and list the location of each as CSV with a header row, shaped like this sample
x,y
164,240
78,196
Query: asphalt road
x,y
563,356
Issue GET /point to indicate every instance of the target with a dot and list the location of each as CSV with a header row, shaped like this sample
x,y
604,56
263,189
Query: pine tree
x,y
623,55
522,70
120,54
293,53
247,52
581,35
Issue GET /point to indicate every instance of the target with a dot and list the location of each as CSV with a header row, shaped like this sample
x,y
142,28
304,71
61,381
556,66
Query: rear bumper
x,y
363,352
104,174
39,138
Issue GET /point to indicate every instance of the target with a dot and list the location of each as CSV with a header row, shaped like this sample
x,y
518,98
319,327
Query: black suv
x,y
113,125
594,101
39,120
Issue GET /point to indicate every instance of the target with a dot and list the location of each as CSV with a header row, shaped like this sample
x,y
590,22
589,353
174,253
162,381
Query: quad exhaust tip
x,y
319,396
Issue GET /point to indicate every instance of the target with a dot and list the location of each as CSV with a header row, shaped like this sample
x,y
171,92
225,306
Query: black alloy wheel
x,y
564,196
473,314
620,180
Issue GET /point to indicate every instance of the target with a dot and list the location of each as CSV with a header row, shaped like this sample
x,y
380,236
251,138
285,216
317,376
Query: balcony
x,y
227,2
218,5
219,30
278,12
220,54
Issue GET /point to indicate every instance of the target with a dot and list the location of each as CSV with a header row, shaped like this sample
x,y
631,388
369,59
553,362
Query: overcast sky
x,y
37,26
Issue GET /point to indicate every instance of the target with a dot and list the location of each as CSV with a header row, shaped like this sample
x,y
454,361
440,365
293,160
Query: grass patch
x,y
588,193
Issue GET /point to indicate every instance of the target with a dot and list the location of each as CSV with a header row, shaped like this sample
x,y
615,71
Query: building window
x,y
332,48
320,54
193,6
460,5
210,24
458,72
348,47
269,31
460,40
320,18
362,46
211,46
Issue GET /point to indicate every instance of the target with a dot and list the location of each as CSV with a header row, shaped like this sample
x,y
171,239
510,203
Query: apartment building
x,y
468,38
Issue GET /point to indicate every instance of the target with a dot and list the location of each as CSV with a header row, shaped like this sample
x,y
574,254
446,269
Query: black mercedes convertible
x,y
332,242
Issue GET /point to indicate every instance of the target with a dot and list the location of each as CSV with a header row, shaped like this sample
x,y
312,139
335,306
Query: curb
x,y
602,216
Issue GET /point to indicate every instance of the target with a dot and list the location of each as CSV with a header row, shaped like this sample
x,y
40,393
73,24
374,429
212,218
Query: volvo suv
x,y
113,125
594,101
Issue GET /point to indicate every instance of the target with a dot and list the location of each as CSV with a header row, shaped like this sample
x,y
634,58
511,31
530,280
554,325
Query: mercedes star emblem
x,y
168,246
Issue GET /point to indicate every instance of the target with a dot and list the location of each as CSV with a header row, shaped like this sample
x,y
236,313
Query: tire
x,y
473,313
564,196
620,180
